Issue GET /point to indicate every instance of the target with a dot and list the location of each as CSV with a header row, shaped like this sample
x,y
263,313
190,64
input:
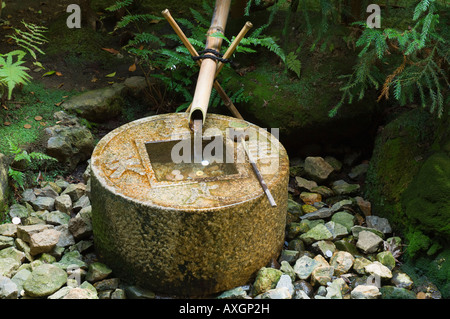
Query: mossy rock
x,y
397,157
427,199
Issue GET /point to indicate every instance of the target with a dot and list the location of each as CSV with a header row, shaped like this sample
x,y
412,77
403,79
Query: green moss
x,y
436,269
397,157
34,100
427,199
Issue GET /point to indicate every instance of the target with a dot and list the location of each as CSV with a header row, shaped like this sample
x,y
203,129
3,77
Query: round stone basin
x,y
183,228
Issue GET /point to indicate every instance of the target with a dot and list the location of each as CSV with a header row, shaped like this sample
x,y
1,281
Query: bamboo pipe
x,y
227,101
206,76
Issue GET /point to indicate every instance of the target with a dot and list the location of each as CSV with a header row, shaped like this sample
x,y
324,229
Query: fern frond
x,y
17,177
120,4
41,156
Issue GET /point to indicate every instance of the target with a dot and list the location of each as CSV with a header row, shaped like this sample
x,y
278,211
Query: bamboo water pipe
x,y
208,68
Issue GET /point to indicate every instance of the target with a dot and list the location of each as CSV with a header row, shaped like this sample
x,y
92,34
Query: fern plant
x,y
12,72
174,68
22,155
31,39
407,63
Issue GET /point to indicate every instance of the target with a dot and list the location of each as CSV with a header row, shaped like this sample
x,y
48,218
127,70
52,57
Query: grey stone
x,y
81,225
303,183
97,105
17,210
285,281
358,170
356,230
336,229
317,168
304,266
28,196
43,203
345,219
8,229
8,266
402,280
318,214
97,271
26,231
6,241
81,203
341,187
322,275
46,191
8,289
266,279
319,232
80,293
368,242
118,294
326,248
72,259
66,238
365,292
287,269
377,269
56,218
342,262
20,277
75,191
235,293
43,241
135,292
12,252
63,203
379,223
69,144
276,293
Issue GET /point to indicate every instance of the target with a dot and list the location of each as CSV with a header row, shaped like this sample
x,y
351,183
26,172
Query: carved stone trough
x,y
195,234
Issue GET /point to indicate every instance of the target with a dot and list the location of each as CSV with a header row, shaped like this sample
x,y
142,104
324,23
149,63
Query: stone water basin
x,y
187,229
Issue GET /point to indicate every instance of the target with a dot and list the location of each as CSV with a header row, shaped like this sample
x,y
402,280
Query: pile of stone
x,y
47,250
335,247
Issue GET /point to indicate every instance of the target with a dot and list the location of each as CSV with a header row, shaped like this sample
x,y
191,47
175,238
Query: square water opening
x,y
176,160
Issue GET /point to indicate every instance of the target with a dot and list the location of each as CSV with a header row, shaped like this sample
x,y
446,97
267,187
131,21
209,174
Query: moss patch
x,y
397,157
427,199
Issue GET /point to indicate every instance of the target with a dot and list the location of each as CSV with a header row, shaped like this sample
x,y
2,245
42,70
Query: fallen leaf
x,y
132,67
58,73
38,118
94,79
111,75
113,51
60,85
7,123
65,96
43,123
4,106
58,104
27,126
48,73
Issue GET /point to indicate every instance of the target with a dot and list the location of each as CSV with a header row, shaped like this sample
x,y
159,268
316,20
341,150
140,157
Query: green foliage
x,y
409,63
174,68
12,72
31,38
22,155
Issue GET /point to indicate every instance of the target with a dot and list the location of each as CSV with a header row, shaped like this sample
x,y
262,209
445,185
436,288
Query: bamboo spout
x,y
208,67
